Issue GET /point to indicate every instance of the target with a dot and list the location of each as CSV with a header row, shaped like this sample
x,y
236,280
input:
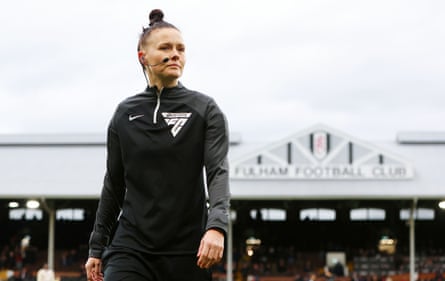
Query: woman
x,y
152,221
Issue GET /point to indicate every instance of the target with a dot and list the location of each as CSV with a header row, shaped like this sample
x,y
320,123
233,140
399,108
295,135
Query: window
x,y
70,214
318,214
268,214
26,214
419,214
367,214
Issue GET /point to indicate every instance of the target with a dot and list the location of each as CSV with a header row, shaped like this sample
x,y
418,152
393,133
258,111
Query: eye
x,y
164,47
181,48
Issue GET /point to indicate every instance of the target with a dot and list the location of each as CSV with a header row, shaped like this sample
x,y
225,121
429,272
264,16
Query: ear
x,y
141,57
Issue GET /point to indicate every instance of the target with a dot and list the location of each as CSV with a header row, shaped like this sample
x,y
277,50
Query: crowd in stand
x,y
13,258
263,261
286,261
20,261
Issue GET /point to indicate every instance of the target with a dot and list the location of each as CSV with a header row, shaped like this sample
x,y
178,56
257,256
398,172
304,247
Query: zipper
x,y
158,103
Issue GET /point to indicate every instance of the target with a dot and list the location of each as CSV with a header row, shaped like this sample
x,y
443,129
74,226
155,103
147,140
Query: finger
x,y
203,249
97,271
214,258
201,246
88,270
211,258
204,263
212,255
220,256
203,257
202,260
215,251
97,276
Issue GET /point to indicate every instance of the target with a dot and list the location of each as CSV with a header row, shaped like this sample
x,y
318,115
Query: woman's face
x,y
164,43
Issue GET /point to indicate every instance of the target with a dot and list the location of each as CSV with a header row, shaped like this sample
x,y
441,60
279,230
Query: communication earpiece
x,y
142,62
141,57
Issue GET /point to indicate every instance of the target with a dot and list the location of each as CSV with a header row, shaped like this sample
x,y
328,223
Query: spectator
x,y
45,274
16,276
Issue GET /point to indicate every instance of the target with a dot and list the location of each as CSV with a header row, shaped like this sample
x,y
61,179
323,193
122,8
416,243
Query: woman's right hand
x,y
93,268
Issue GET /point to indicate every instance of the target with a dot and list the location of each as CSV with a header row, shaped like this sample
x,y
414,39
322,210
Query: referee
x,y
165,146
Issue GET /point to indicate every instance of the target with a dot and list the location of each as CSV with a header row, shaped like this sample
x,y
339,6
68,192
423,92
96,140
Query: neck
x,y
163,83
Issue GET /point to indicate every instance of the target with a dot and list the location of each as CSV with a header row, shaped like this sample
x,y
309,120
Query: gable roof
x,y
321,152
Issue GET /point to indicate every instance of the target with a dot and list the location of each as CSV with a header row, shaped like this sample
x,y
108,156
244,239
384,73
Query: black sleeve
x,y
216,166
112,195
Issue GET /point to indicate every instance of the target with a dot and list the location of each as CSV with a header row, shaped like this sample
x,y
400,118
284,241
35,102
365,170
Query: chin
x,y
174,75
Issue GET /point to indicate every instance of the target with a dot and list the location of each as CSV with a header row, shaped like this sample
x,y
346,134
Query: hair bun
x,y
156,15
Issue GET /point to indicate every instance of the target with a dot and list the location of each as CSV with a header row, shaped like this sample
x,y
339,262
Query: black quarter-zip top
x,y
163,149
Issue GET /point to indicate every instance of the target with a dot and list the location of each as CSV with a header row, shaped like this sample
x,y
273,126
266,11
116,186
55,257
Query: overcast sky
x,y
368,68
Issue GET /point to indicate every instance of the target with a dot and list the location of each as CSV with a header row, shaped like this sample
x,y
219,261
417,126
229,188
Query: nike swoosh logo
x,y
132,117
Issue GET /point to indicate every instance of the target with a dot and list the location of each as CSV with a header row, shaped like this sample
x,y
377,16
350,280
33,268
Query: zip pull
x,y
158,104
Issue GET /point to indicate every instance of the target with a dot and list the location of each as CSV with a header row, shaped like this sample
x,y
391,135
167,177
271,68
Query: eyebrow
x,y
171,43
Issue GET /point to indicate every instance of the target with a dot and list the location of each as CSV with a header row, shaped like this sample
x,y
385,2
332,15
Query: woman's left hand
x,y
211,248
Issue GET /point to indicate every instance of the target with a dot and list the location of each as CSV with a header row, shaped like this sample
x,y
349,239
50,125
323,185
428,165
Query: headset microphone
x,y
165,60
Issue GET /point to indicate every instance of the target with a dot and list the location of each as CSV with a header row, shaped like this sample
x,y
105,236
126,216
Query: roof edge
x,y
84,139
416,137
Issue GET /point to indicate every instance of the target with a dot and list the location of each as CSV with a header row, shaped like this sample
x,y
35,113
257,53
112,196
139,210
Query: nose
x,y
175,54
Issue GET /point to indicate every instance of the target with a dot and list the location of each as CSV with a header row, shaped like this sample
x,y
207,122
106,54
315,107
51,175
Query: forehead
x,y
165,35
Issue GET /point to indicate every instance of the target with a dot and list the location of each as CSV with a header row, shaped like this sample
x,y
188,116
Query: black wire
x,y
145,75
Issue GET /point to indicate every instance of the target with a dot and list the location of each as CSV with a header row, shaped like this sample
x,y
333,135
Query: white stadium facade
x,y
319,190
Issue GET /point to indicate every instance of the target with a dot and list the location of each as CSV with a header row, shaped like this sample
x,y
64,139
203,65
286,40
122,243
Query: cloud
x,y
273,67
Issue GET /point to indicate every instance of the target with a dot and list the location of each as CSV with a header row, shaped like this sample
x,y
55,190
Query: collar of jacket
x,y
165,91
